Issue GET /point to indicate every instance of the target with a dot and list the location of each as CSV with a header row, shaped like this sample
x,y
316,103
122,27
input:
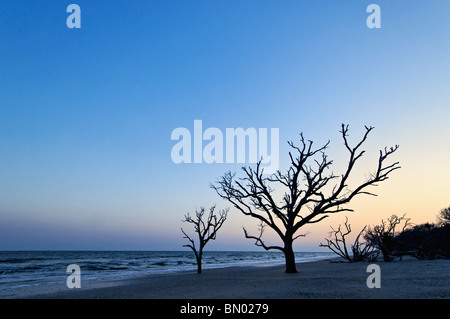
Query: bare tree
x,y
302,203
206,230
382,236
444,216
358,251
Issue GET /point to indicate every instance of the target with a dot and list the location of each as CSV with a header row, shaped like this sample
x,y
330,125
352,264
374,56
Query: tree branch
x,y
258,241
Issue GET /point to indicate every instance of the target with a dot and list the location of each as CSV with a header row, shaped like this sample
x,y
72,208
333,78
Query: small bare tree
x,y
305,199
382,236
206,230
358,251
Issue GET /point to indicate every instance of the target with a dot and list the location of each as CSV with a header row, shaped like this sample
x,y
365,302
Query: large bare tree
x,y
308,198
206,230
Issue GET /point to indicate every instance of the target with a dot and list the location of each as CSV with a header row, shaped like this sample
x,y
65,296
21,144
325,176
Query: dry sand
x,y
320,279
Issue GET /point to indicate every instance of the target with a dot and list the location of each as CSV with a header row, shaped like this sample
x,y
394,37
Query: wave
x,y
159,263
18,260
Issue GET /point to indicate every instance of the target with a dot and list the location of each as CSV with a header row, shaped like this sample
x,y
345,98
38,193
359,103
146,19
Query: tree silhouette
x,y
206,230
358,251
444,216
305,199
383,236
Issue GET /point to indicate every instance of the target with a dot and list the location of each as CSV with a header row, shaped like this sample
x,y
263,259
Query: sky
x,y
86,114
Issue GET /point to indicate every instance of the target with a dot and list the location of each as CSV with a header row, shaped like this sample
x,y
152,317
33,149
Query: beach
x,y
405,279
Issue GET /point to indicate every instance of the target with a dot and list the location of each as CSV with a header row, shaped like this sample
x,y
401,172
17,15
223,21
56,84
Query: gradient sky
x,y
86,114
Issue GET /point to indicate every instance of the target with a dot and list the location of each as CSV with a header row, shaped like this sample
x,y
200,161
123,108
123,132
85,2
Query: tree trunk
x,y
290,258
199,266
199,262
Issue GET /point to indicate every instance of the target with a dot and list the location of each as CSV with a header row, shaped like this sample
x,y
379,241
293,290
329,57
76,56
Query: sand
x,y
320,279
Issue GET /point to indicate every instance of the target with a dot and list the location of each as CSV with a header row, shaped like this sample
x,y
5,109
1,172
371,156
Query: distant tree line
x,y
393,239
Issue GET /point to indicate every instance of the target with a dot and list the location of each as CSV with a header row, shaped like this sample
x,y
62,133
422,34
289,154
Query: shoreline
x,y
317,279
29,288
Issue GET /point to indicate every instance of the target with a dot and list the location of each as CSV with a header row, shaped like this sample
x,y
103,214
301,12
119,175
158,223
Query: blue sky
x,y
86,114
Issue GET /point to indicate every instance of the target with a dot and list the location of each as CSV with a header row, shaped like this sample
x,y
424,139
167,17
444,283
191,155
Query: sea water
x,y
34,268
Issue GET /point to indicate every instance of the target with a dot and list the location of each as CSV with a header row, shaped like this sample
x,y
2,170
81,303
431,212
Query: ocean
x,y
34,268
